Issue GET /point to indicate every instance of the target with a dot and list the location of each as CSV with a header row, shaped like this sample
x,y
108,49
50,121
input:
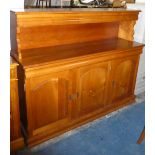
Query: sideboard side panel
x,y
13,34
126,30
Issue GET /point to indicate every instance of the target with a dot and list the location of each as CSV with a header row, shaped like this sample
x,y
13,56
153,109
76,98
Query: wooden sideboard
x,y
78,65
17,141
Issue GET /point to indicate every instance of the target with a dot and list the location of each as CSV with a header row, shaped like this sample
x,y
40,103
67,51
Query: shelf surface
x,y
46,55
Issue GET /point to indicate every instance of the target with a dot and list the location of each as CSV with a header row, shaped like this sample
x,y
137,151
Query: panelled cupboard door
x,y
14,111
91,88
123,77
47,100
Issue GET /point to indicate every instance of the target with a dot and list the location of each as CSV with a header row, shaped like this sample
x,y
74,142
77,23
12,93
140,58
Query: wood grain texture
x,y
78,65
42,28
47,55
126,30
141,137
17,144
15,130
44,36
84,89
52,106
35,17
39,138
91,86
124,74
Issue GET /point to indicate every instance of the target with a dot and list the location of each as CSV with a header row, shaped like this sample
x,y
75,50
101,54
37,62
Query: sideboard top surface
x,y
41,36
46,55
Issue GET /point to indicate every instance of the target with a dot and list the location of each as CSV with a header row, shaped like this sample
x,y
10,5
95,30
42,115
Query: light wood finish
x,y
57,34
126,30
33,28
86,87
15,130
124,73
77,66
51,92
77,51
91,87
36,17
141,137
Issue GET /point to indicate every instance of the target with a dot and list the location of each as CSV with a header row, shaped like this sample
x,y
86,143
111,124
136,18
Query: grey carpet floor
x,y
113,135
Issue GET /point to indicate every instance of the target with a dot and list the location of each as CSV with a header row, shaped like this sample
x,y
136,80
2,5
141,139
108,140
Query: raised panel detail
x,y
16,139
49,99
76,66
92,83
123,78
14,111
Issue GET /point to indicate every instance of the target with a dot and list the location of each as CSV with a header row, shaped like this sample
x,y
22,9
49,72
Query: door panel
x,y
49,99
14,111
91,85
124,74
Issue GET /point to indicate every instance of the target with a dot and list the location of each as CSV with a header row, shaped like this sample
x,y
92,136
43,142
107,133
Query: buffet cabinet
x,y
61,98
76,67
17,141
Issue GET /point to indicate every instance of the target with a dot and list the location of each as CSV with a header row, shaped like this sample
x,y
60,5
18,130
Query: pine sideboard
x,y
16,138
78,65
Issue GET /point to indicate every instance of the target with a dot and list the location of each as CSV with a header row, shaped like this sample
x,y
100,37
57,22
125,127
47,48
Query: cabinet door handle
x,y
77,94
70,97
92,93
73,96
113,83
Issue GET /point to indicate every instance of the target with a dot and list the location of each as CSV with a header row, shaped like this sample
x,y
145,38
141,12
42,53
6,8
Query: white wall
x,y
5,72
140,37
140,1
17,4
